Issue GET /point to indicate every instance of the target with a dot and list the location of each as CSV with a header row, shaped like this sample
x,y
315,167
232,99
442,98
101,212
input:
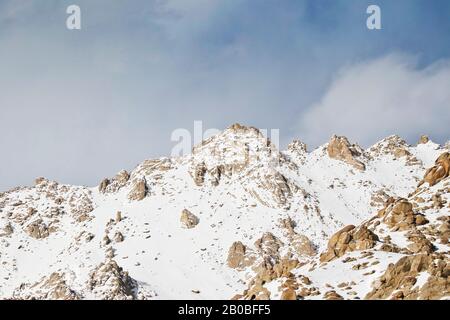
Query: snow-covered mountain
x,y
239,219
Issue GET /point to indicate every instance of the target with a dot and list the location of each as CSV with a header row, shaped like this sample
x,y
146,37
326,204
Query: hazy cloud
x,y
391,95
78,106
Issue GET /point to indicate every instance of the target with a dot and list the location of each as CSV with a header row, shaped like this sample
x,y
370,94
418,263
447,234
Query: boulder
x,y
139,190
332,295
188,220
349,239
39,230
400,215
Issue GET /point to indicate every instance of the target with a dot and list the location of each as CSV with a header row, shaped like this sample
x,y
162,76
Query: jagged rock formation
x,y
110,282
337,222
339,148
439,171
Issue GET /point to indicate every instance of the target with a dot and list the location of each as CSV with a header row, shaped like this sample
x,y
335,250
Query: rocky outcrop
x,y
139,190
396,146
339,148
423,139
39,230
7,230
198,174
349,239
113,185
53,287
239,257
103,185
188,219
439,171
110,282
272,189
332,295
399,280
301,244
399,215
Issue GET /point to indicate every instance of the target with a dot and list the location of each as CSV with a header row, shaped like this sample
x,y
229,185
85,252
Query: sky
x,y
79,105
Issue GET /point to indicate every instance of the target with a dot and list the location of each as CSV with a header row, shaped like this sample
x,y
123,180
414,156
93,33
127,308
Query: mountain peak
x,y
274,213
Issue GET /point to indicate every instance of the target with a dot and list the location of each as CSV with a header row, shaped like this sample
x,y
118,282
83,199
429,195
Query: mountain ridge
x,y
236,218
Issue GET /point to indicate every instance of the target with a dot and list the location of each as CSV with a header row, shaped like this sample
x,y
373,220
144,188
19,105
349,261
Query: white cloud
x,y
391,95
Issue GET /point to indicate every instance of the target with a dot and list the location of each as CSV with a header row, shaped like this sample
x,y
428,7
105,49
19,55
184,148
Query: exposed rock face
x,y
349,239
257,292
114,184
139,190
110,282
39,230
339,148
300,243
399,215
7,230
272,189
423,139
238,257
271,265
400,278
53,287
268,245
419,243
103,185
188,219
332,295
289,294
198,174
439,171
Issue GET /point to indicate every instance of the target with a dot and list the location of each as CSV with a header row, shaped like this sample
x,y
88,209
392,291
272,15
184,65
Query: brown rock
x,y
439,171
423,139
199,174
238,257
103,185
349,239
339,148
188,219
289,294
332,295
402,276
139,190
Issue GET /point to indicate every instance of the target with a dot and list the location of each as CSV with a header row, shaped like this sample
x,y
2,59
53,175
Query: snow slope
x,y
67,242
